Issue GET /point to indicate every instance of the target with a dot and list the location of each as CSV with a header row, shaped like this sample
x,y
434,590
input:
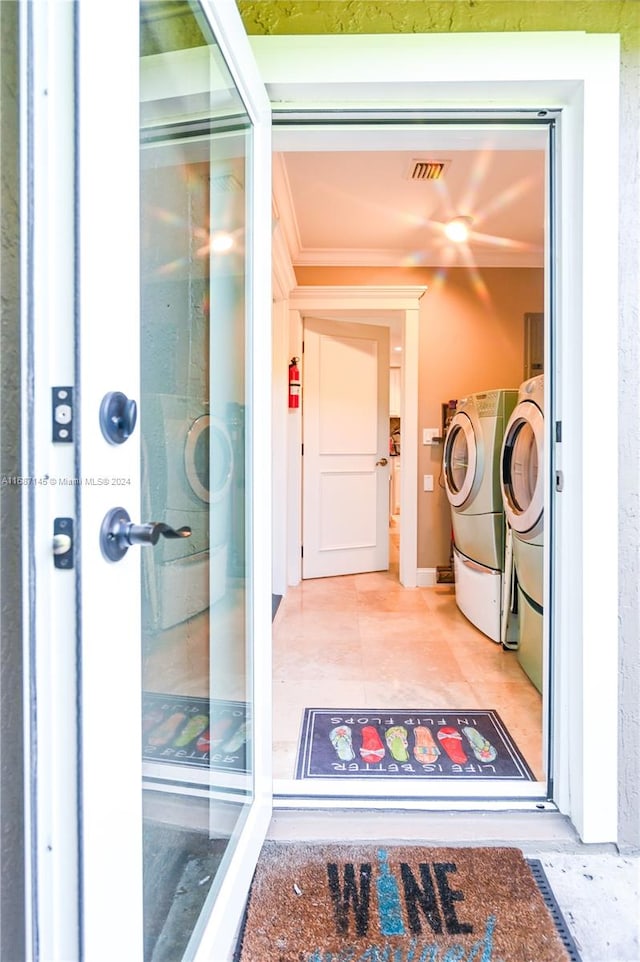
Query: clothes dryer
x,y
189,470
471,468
522,486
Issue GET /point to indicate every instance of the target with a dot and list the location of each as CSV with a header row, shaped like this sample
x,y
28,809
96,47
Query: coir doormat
x,y
468,743
396,904
202,732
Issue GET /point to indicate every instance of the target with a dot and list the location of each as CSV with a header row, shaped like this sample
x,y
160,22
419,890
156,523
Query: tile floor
x,y
364,640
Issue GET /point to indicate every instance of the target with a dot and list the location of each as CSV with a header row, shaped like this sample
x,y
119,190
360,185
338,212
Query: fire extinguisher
x,y
294,383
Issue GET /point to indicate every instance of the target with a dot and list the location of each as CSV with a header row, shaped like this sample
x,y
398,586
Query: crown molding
x,y
372,297
283,275
351,257
284,207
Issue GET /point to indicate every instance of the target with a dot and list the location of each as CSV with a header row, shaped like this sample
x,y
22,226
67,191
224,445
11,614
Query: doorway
x,y
477,295
587,89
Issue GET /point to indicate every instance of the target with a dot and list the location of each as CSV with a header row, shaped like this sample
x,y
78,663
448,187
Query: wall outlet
x,y
428,482
429,435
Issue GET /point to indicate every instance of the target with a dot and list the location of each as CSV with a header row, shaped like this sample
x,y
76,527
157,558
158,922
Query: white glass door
x,y
174,203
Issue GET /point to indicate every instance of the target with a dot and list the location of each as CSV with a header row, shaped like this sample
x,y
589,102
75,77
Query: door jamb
x,y
577,74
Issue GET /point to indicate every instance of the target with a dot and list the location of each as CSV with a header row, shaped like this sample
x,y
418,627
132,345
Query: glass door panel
x,y
197,714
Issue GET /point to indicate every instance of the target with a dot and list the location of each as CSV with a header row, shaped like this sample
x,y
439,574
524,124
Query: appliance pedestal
x,y
478,594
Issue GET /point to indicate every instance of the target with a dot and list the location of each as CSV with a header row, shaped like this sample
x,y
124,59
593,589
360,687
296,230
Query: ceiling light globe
x,y
221,242
457,230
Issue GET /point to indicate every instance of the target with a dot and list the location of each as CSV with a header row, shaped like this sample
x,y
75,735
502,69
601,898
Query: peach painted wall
x,y
471,339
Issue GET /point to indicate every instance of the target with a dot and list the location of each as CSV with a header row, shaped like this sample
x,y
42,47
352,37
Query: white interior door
x,y
174,308
346,448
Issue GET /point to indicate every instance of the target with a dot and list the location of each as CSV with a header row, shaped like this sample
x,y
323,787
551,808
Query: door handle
x,y
381,463
118,533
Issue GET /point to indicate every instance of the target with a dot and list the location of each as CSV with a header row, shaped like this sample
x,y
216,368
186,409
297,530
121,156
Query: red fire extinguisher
x,y
294,383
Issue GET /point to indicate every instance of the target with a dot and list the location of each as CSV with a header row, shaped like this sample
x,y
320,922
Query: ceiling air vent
x,y
226,184
426,169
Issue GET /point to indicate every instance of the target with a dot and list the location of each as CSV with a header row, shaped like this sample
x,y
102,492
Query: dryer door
x,y
197,457
522,476
460,460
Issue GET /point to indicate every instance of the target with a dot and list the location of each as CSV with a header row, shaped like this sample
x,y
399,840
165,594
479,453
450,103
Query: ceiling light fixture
x,y
458,229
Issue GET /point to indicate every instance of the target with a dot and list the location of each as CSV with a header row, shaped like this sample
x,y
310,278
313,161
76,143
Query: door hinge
x,y
302,449
559,481
302,551
558,431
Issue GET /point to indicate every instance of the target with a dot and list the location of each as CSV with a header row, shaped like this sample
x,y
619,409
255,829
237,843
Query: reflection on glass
x,y
196,720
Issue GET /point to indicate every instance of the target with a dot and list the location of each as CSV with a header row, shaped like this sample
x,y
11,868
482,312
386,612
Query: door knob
x,y
381,463
118,533
118,417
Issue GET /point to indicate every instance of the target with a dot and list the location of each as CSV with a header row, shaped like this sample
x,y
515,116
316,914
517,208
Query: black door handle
x,y
118,533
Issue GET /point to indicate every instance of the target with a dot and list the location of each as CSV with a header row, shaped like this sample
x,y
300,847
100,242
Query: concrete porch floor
x,y
596,886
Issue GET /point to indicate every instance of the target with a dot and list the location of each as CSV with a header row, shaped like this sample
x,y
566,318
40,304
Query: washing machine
x,y
188,467
471,469
522,485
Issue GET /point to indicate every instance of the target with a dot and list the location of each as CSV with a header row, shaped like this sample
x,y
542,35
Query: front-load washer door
x,y
196,457
222,464
462,460
522,477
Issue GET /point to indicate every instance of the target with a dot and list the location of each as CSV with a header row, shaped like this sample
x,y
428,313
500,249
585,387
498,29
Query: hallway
x,y
364,641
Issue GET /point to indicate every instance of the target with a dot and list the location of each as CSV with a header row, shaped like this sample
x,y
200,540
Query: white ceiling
x,y
352,208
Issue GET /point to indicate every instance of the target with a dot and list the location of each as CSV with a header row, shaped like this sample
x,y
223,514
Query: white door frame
x,y
370,302
52,904
576,74
219,936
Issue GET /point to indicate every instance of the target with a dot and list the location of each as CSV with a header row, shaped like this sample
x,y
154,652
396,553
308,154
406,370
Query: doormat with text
x,y
468,743
202,732
375,903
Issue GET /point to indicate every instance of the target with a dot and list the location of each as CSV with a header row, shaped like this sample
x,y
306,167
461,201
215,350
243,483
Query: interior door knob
x,y
381,463
118,533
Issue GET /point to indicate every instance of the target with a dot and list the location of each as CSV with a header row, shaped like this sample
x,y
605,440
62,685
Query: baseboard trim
x,y
426,577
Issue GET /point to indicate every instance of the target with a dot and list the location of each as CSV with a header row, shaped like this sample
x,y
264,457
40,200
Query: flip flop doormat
x,y
396,904
201,732
407,744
